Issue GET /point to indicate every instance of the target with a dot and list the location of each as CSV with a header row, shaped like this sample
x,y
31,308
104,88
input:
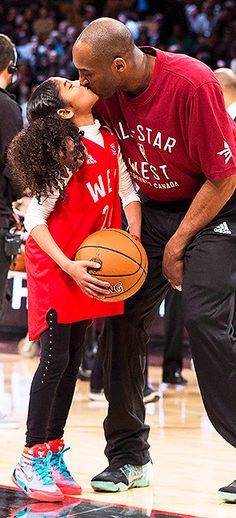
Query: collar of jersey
x,y
92,129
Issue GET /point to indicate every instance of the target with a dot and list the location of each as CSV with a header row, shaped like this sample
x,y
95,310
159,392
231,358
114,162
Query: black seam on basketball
x,y
130,288
146,264
116,252
126,235
116,275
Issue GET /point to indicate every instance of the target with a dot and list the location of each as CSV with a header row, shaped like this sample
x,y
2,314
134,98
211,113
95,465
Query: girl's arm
x,y
130,199
38,213
36,225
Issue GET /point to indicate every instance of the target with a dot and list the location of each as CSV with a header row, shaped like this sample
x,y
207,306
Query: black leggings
x,y
54,381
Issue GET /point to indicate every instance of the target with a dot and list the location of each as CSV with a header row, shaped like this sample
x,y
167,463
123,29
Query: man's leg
x,y
5,422
208,296
123,349
174,331
124,342
5,264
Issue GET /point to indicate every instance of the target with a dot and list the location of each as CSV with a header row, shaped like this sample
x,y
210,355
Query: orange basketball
x,y
123,261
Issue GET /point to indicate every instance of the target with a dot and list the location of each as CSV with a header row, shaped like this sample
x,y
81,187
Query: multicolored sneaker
x,y
228,493
32,474
123,478
60,473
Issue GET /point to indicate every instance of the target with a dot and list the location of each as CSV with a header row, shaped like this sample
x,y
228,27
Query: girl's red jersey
x,y
91,203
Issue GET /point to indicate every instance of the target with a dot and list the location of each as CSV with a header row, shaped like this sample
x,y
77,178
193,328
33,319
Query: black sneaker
x,y
150,395
123,478
97,395
228,493
174,378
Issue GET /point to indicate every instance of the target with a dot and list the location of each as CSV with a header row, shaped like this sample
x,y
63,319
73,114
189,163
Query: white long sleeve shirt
x,y
38,213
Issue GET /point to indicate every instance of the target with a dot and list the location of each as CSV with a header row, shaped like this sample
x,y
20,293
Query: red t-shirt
x,y
176,133
91,203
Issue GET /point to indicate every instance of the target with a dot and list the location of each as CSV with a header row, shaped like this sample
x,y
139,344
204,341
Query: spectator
x,y
227,79
10,125
175,34
43,25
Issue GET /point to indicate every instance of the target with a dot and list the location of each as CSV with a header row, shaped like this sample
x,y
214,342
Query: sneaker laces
x,y
42,466
58,462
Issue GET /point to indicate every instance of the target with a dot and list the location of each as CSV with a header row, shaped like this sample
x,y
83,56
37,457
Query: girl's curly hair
x,y
39,154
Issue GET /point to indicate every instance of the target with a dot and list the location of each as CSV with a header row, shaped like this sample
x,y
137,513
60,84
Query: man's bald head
x,y
108,60
227,80
106,38
106,57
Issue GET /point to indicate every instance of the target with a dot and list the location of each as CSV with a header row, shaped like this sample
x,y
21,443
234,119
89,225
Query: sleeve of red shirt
x,y
211,138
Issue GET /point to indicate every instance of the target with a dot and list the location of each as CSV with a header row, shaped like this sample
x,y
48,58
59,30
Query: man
x,y
227,80
10,124
165,109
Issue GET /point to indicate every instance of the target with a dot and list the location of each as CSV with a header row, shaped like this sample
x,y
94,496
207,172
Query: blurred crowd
x,y
45,30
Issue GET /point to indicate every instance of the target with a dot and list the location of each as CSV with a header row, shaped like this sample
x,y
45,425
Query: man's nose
x,y
82,79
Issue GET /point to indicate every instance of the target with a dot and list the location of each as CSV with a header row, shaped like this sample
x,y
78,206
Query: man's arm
x,y
209,200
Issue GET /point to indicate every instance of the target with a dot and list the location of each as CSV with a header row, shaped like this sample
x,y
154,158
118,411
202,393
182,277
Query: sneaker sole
x,y
227,497
97,397
37,495
110,487
69,492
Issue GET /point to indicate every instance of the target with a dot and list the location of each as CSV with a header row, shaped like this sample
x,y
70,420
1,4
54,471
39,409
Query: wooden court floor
x,y
191,461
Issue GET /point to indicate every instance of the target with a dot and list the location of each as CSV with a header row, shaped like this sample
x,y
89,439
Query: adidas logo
x,y
90,159
223,228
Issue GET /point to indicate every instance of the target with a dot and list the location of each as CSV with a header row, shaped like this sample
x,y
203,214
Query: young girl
x,y
75,186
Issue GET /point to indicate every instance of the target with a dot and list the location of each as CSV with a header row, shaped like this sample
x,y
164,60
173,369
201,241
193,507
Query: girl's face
x,y
78,97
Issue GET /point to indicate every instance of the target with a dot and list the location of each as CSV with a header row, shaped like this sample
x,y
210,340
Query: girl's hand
x,y
88,284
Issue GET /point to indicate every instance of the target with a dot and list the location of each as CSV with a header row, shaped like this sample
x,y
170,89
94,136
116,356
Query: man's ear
x,y
119,64
65,113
